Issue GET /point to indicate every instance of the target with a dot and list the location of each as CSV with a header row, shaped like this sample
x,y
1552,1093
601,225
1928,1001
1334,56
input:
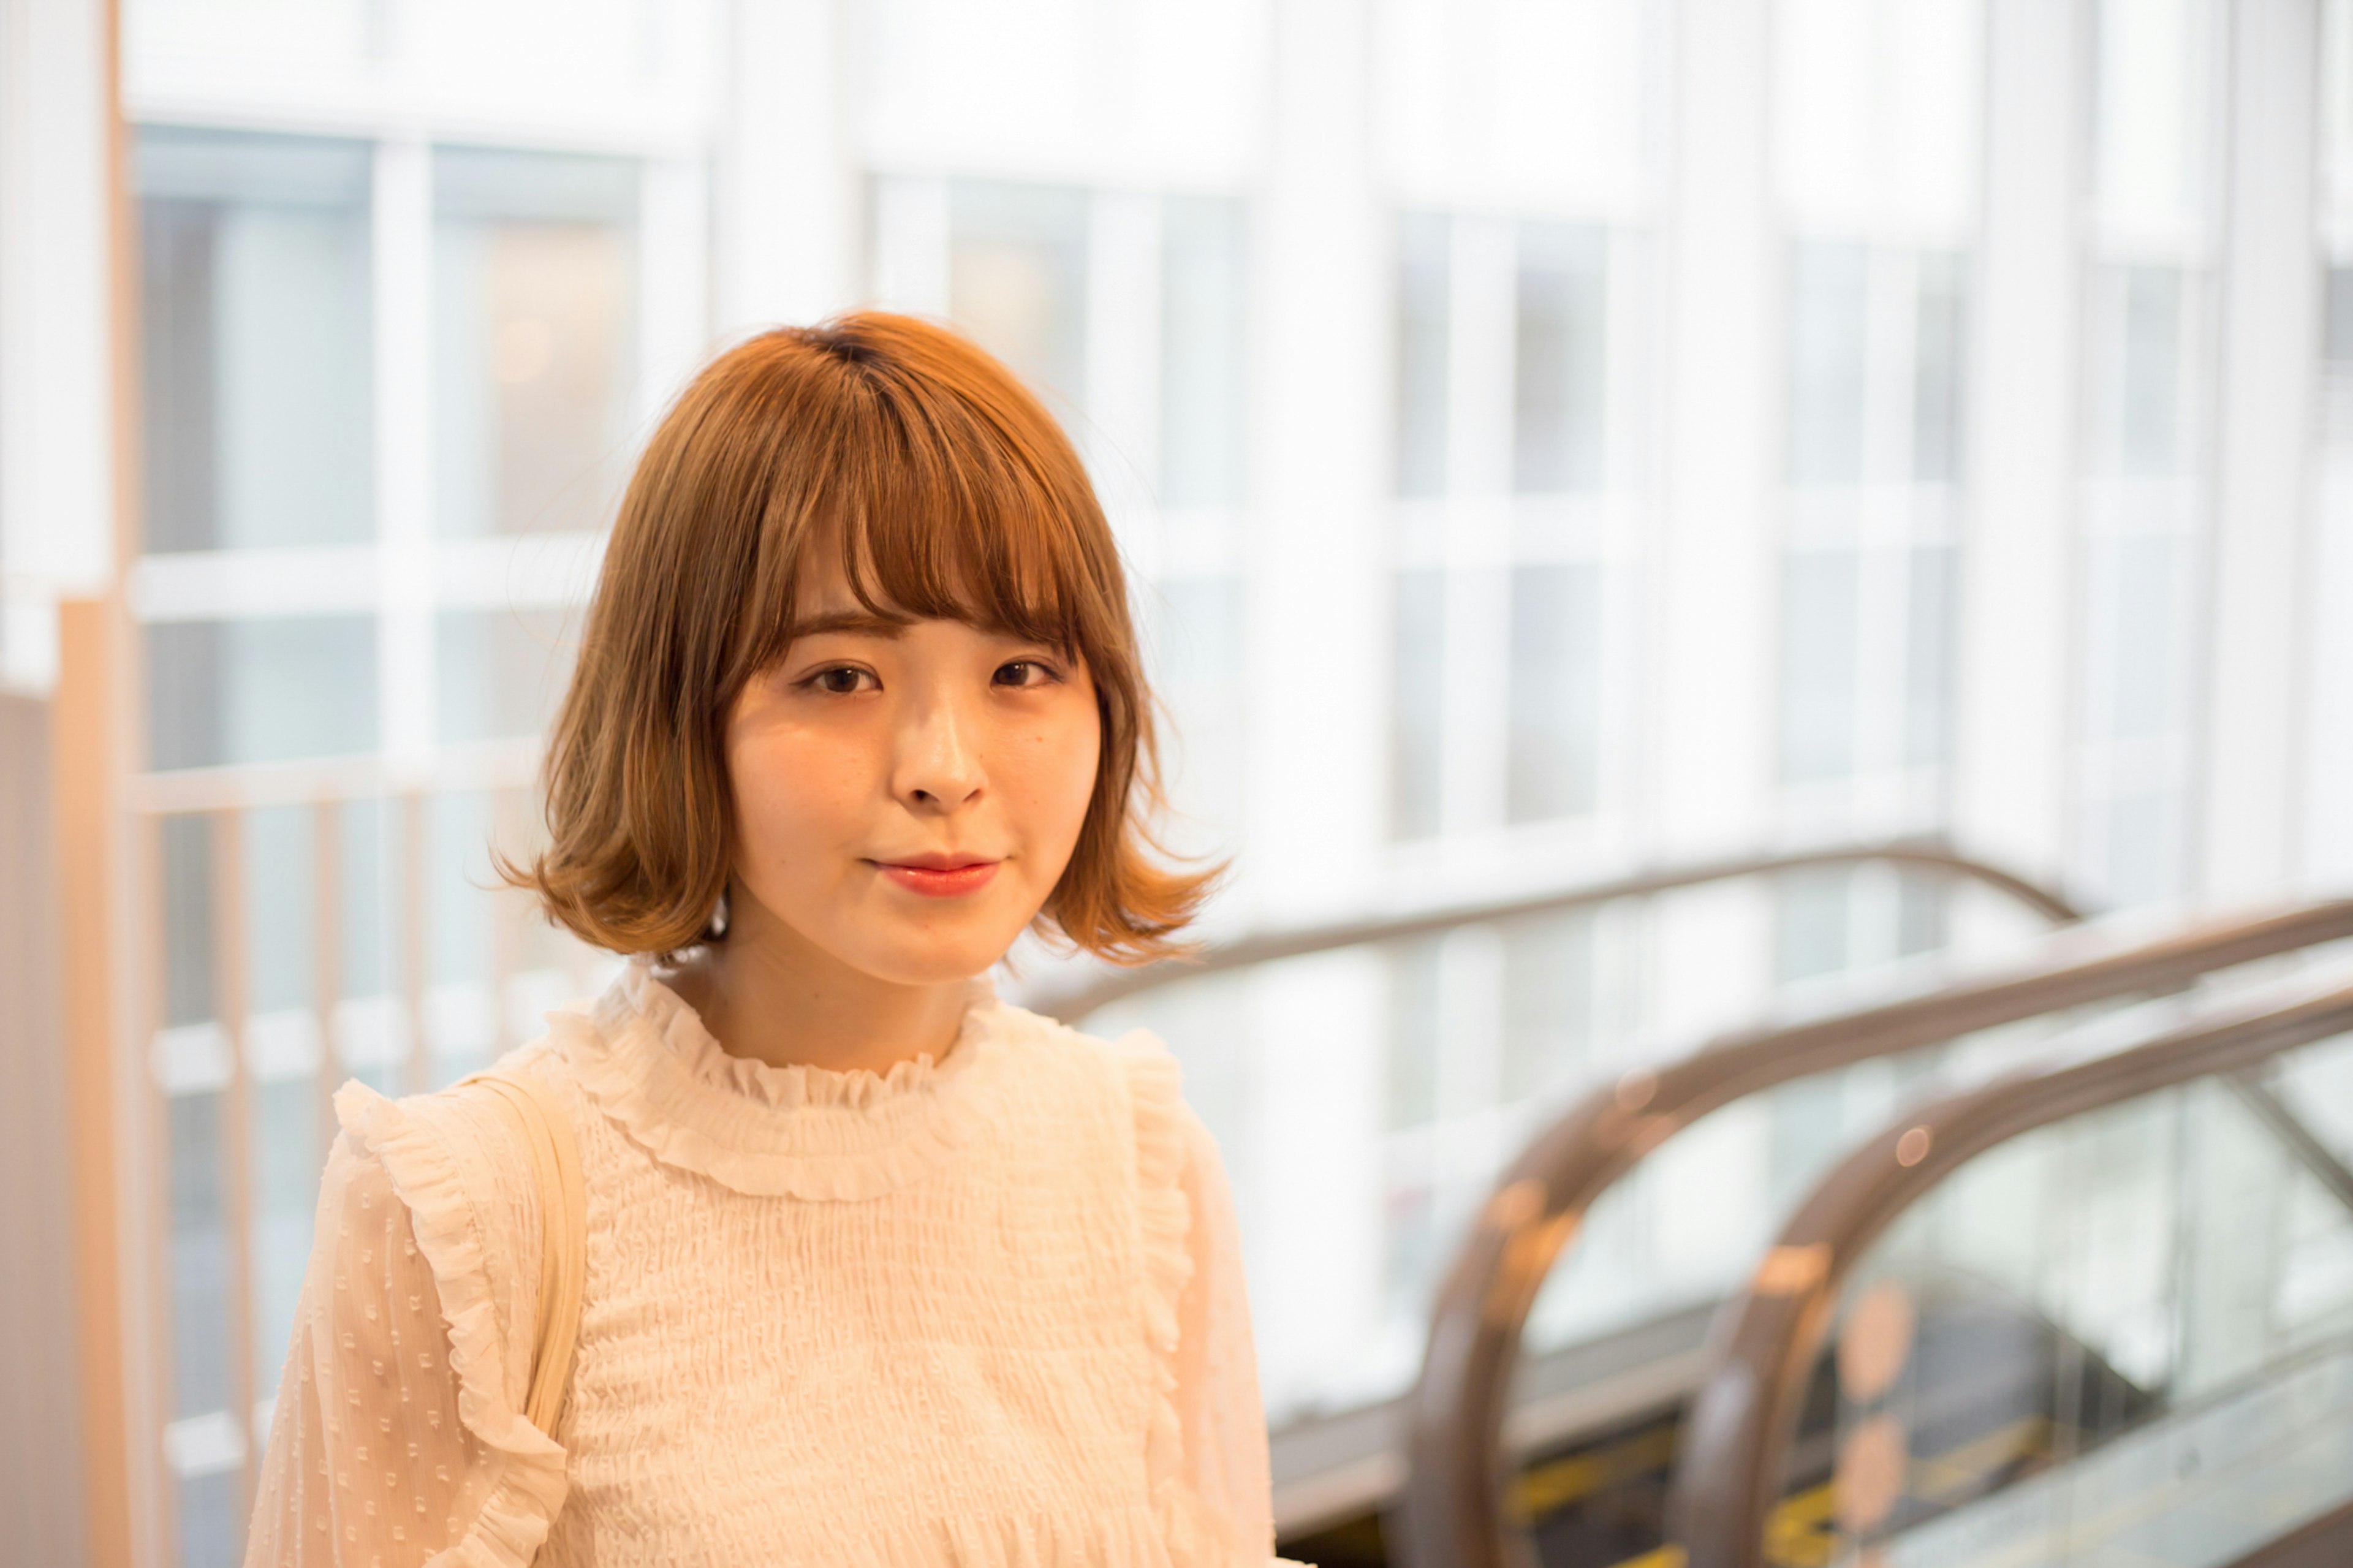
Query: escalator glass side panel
x,y
1687,1224
2126,1338
2199,1488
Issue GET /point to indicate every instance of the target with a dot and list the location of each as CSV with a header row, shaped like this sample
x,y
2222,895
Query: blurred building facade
x,y
1548,439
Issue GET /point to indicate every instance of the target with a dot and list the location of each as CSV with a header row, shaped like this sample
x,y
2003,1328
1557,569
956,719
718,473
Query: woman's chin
x,y
931,958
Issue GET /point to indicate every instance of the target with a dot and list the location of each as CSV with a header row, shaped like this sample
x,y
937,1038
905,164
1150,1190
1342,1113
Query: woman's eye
x,y
842,680
1023,672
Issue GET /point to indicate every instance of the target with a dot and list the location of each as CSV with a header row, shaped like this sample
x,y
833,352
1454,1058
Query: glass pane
x,y
534,290
1929,632
1424,281
2151,392
1939,354
288,1155
2139,846
1813,932
463,911
2128,1337
2138,372
283,1054
257,336
212,1528
1559,358
1198,656
1204,329
2336,316
501,672
1827,312
1920,906
280,877
187,853
1413,1230
2337,360
1818,664
2137,589
200,1263
1548,1002
1555,766
1018,278
1418,762
370,1025
1417,1031
260,691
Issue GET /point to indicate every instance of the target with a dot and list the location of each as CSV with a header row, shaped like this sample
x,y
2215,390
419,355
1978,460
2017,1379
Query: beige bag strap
x,y
547,1134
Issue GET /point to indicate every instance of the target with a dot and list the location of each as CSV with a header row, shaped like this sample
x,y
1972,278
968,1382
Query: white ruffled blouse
x,y
985,1310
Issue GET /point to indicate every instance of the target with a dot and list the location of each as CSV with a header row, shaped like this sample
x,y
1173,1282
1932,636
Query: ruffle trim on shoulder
x,y
530,1485
1156,1086
644,1057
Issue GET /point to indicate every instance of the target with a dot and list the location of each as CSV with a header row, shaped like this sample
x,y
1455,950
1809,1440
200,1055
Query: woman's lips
x,y
941,884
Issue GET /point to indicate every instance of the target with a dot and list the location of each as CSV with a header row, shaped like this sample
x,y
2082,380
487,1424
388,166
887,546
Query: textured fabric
x,y
980,1310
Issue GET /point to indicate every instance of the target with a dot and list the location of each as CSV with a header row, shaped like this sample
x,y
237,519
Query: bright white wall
x,y
57,453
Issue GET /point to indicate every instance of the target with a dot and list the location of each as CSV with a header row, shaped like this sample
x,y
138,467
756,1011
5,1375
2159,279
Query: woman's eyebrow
x,y
861,622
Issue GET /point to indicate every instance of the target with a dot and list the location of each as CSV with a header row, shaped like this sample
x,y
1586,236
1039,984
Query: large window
x,y
1876,172
1523,329
389,391
1518,507
260,369
535,338
2157,88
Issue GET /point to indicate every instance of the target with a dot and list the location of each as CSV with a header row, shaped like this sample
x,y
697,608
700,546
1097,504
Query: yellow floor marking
x,y
1661,1557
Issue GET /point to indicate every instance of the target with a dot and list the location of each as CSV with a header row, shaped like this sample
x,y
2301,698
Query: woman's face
x,y
906,796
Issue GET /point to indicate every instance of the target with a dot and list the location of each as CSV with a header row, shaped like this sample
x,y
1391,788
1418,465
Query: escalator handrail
x,y
1453,1513
1736,1439
1926,854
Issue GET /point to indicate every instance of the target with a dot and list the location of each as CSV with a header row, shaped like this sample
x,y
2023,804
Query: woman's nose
x,y
938,765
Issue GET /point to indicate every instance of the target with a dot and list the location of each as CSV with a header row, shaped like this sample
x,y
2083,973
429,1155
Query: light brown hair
x,y
952,494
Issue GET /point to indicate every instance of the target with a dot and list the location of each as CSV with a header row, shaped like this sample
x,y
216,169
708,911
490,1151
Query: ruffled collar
x,y
798,1131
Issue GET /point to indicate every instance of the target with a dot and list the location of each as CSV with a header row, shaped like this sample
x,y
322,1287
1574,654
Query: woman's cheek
x,y
782,801
1080,756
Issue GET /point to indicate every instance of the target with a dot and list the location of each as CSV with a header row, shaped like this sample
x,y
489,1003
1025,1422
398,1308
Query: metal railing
x,y
1741,1428
1921,853
1453,1513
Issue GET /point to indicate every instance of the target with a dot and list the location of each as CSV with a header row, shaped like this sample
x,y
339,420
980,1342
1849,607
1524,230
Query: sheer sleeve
x,y
399,1439
367,1463
1225,1463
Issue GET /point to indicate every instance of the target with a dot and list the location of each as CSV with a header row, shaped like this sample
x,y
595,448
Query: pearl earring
x,y
716,927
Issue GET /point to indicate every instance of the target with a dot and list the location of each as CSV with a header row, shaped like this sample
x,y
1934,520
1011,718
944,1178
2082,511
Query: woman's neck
x,y
769,994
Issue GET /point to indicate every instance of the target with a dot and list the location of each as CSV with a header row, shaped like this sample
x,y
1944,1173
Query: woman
x,y
880,1269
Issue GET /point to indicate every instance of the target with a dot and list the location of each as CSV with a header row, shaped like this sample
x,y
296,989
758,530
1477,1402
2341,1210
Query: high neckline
x,y
643,1053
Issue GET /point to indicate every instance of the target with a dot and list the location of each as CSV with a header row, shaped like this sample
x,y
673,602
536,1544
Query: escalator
x,y
2176,1207
2002,1388
1534,1437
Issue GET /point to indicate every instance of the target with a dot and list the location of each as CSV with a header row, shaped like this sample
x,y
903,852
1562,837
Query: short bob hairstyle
x,y
951,493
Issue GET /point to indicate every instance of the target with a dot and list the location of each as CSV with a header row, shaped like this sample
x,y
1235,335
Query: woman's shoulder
x,y
462,1117
1137,1068
455,1155
1136,1058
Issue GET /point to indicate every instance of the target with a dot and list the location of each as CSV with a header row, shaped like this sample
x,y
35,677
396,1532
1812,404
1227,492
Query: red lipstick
x,y
939,876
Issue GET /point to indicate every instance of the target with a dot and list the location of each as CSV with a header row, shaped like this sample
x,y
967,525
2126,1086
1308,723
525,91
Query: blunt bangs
x,y
938,507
